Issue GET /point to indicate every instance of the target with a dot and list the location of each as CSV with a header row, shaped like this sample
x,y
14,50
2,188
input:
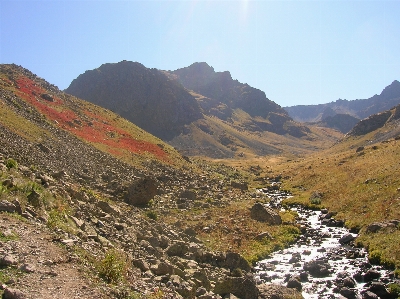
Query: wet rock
x,y
371,275
379,289
294,283
317,268
346,239
369,295
348,293
349,282
263,213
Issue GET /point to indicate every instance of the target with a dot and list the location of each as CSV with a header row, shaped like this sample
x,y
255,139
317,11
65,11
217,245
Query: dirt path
x,y
40,268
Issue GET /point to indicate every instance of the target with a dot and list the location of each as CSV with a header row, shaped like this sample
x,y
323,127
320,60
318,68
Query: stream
x,y
323,263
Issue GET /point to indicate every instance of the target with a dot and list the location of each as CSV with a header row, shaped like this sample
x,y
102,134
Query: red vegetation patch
x,y
97,130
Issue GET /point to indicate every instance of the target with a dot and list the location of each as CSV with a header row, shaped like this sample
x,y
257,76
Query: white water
x,y
319,242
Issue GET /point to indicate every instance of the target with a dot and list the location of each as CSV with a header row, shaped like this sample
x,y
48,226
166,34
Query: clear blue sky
x,y
297,52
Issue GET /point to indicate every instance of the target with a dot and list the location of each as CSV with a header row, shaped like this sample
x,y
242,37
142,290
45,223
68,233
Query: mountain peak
x,y
391,91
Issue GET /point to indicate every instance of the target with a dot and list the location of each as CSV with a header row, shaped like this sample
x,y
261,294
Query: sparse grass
x,y
113,267
361,189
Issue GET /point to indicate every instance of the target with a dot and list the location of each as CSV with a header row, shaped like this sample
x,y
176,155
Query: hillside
x,y
143,96
361,108
199,111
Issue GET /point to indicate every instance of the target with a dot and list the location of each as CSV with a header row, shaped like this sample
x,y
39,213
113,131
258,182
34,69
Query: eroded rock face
x,y
263,213
140,192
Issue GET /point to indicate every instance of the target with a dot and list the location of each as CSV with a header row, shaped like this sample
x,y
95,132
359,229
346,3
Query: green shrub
x,y
375,257
11,163
113,268
152,214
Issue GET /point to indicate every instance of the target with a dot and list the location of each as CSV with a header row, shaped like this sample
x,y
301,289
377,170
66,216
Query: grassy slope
x,y
100,127
361,187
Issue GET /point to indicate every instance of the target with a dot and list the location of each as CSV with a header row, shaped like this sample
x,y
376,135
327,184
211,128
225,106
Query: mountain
x,y
144,96
361,108
219,86
197,110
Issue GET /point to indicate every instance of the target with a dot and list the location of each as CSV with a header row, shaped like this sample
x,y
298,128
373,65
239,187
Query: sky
x,y
299,52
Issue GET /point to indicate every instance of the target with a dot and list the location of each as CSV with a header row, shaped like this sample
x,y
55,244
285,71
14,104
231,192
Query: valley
x,y
155,198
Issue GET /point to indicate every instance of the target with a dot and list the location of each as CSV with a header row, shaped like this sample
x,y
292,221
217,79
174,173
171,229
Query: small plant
x,y
237,272
394,290
4,237
375,257
113,268
11,163
152,214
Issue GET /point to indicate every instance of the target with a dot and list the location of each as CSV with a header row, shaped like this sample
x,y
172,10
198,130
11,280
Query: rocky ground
x,y
59,238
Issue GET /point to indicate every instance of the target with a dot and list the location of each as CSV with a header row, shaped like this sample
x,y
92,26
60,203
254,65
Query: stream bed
x,y
323,263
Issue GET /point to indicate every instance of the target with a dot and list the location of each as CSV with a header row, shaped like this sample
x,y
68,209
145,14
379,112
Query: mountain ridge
x,y
360,108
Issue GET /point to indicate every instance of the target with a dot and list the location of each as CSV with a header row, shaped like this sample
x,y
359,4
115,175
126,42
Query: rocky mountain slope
x,y
83,194
197,110
361,108
143,96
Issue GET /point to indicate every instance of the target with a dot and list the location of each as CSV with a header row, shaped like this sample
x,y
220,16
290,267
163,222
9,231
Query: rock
x,y
236,261
242,287
47,97
347,238
263,235
317,268
359,149
188,194
240,186
162,268
107,208
379,289
293,283
6,206
371,275
274,291
375,227
369,295
27,268
141,191
10,293
179,248
349,282
141,264
34,199
8,260
263,213
348,293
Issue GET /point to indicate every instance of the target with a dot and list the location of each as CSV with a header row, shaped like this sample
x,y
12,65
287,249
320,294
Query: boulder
x,y
179,248
6,206
242,287
347,238
317,268
294,283
236,261
141,191
10,293
261,212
